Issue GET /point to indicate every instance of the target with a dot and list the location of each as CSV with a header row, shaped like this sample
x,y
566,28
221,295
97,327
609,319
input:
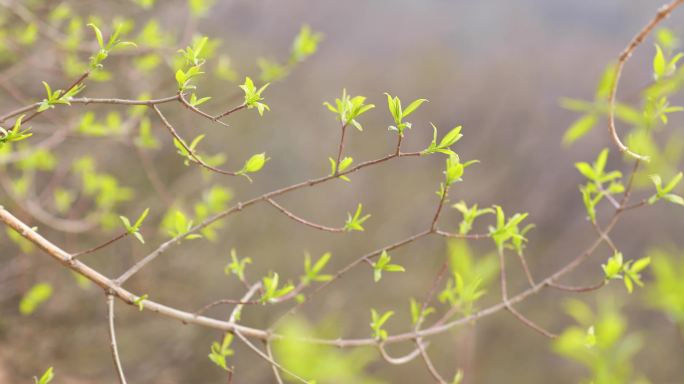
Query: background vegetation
x,y
514,75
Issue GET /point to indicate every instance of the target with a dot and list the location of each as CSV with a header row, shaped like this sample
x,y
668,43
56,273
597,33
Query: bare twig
x,y
428,363
112,339
98,247
662,14
397,360
303,221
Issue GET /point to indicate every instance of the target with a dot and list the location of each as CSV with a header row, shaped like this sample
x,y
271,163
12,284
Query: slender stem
x,y
276,372
428,363
568,288
397,360
98,247
303,221
662,14
340,148
191,153
196,110
112,339
268,359
442,199
230,111
526,269
224,301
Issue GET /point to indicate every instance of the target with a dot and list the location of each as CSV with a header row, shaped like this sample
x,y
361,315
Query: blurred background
x,y
497,68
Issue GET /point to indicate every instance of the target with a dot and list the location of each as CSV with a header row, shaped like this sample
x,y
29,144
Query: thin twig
x,y
98,247
568,288
269,360
303,221
397,360
191,153
198,111
662,14
428,363
112,339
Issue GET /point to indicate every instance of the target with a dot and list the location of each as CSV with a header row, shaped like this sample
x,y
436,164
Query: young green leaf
x,y
444,145
271,290
17,133
220,351
36,296
394,106
46,377
383,264
253,96
355,223
664,192
377,321
313,272
253,165
237,266
348,109
139,301
418,314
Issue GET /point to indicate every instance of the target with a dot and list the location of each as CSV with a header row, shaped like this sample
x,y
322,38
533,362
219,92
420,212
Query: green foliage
x,y
305,44
91,127
187,150
594,191
507,233
470,276
140,302
600,342
183,78
253,96
114,42
664,192
46,377
323,363
355,223
418,313
194,101
135,228
469,215
146,139
102,187
37,295
58,97
665,291
447,141
17,133
271,291
220,351
214,200
461,294
199,8
348,109
177,225
253,165
616,268
398,114
383,264
663,67
585,123
237,266
313,272
377,321
454,169
344,165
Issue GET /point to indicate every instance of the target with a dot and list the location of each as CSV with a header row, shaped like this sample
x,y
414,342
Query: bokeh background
x,y
498,68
